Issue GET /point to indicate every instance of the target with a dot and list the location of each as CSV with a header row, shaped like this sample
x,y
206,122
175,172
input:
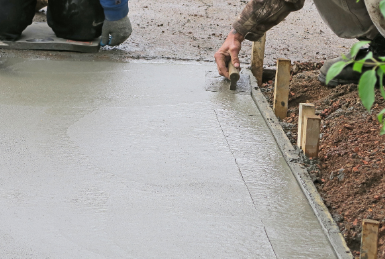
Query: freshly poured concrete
x,y
114,160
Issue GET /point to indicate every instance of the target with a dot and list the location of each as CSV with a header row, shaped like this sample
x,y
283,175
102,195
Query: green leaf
x,y
383,130
380,116
344,57
366,88
360,63
358,66
368,56
382,8
356,47
383,68
335,70
381,119
380,75
382,58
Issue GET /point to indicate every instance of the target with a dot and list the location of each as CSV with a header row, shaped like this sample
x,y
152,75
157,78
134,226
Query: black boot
x,y
348,75
377,46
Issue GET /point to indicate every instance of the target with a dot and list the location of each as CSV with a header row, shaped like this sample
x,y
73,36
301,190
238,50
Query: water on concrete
x,y
137,160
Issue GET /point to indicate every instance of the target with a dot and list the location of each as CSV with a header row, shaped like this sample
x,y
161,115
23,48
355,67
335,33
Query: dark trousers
x,y
80,20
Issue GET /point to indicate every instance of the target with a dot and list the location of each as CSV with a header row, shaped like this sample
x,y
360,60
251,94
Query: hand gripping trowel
x,y
238,83
234,76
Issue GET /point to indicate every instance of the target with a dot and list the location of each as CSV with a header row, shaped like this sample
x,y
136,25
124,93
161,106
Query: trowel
x,y
239,83
234,76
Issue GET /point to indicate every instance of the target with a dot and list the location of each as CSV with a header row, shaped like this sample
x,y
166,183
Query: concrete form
x,y
292,157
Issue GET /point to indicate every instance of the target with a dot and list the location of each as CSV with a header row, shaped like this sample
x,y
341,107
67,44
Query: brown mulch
x,y
350,171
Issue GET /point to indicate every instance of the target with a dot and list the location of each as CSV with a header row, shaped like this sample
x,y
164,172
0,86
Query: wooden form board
x,y
310,136
369,239
305,109
281,89
257,57
39,36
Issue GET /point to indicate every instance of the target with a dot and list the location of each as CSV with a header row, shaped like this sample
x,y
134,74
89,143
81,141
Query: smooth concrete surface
x,y
137,160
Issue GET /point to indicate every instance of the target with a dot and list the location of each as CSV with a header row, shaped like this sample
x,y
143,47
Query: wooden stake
x,y
310,135
234,76
305,109
281,90
257,56
369,239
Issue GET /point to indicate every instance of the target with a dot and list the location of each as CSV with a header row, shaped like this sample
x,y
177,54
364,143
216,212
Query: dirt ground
x,y
193,30
349,173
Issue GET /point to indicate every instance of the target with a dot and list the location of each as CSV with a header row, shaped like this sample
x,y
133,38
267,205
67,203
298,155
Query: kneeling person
x,y
73,20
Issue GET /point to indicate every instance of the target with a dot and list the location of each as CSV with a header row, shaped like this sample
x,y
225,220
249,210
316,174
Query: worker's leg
x,y
377,18
80,20
15,16
347,18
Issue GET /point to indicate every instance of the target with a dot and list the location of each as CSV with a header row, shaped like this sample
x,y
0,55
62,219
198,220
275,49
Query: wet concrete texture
x,y
137,160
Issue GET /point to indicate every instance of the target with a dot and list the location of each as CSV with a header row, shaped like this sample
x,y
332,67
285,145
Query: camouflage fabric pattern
x,y
260,15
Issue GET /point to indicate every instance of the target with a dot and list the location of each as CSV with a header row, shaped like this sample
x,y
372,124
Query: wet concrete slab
x,y
138,160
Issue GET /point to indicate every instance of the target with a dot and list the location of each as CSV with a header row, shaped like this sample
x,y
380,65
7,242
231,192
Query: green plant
x,y
369,78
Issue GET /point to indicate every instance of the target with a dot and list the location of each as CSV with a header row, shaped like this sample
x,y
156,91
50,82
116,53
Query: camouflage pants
x,y
349,19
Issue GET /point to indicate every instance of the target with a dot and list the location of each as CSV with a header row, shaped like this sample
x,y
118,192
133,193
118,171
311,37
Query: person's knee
x,y
81,21
15,16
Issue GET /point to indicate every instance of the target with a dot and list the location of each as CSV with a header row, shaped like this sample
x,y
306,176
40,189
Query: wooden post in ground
x,y
310,135
305,109
257,57
369,239
281,90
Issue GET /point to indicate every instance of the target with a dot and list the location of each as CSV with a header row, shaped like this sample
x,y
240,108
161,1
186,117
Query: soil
x,y
350,171
193,30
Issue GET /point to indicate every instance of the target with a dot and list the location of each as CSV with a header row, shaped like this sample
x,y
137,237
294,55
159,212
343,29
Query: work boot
x,y
348,75
377,46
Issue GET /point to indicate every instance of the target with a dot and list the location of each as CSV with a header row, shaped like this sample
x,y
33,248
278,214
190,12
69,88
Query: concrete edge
x,y
291,156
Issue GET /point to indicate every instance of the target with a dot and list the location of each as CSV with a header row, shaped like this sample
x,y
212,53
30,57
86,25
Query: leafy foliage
x,y
369,78
366,88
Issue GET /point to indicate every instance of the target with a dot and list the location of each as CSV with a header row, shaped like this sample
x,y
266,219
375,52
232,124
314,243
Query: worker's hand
x,y
229,50
116,32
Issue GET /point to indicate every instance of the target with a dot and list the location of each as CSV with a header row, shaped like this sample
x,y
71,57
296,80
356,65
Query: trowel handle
x,y
233,72
234,76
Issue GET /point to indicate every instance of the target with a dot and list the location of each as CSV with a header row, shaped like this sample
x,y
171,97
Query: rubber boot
x,y
348,75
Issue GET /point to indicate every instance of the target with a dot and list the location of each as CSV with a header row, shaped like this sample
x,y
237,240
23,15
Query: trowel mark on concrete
x,y
235,159
243,179
280,203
